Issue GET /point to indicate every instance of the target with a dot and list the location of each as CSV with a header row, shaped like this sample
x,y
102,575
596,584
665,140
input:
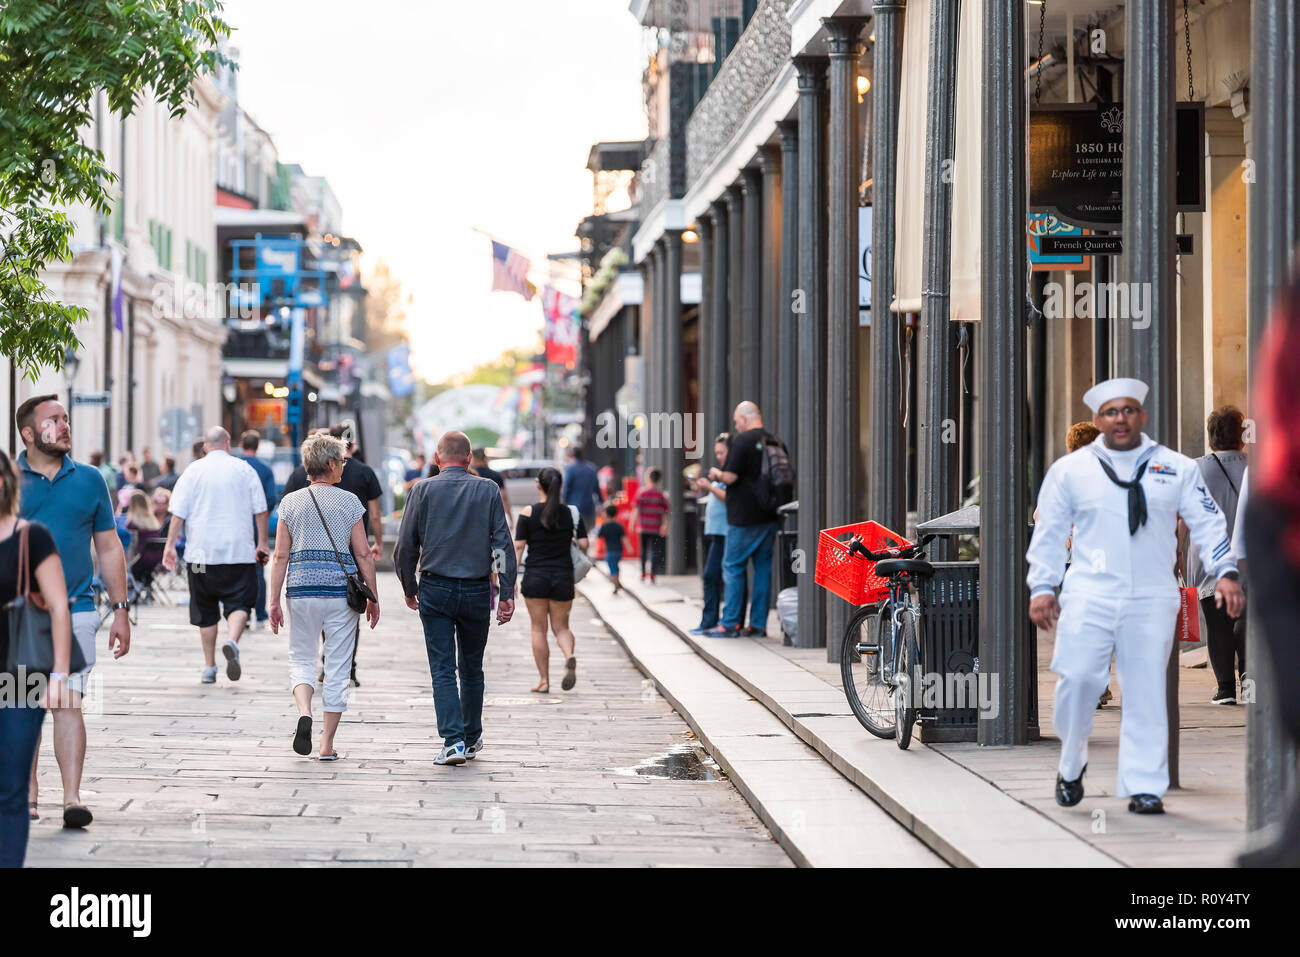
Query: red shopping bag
x,y
1189,619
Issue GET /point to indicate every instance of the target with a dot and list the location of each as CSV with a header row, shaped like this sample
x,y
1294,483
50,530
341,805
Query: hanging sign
x,y
1076,161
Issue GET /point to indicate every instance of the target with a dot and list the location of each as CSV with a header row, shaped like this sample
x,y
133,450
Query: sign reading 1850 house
x,y
1076,161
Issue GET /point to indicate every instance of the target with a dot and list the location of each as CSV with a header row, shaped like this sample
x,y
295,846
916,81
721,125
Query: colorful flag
x,y
510,271
561,332
401,381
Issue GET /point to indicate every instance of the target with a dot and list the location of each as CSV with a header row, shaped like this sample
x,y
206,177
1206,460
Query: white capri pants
x,y
1140,631
308,618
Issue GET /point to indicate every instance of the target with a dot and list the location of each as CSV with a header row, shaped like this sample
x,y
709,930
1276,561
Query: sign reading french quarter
x,y
1076,161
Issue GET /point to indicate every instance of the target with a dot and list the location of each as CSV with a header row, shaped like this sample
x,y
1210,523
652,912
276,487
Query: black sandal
x,y
302,737
74,815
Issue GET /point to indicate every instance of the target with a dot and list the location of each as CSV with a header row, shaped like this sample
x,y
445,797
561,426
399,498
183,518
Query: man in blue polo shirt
x,y
71,500
248,443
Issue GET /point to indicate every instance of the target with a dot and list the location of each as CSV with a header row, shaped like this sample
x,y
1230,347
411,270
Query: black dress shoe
x,y
1146,804
1069,793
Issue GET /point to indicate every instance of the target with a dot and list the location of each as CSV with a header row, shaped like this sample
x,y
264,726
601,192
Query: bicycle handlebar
x,y
910,551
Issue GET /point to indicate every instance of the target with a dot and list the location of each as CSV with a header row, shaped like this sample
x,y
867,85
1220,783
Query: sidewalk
x,y
977,805
184,774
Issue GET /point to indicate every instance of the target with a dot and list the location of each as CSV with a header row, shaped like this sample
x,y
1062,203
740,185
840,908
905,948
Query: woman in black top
x,y
546,529
20,727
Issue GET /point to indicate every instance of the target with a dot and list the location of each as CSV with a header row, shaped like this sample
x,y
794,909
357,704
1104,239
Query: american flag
x,y
510,271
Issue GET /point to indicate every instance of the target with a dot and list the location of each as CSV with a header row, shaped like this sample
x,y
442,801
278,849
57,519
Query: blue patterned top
x,y
313,564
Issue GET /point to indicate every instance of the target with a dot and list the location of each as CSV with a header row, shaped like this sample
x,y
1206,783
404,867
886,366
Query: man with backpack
x,y
759,479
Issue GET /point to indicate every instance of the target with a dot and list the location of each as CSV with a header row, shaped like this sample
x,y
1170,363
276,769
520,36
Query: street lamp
x,y
71,362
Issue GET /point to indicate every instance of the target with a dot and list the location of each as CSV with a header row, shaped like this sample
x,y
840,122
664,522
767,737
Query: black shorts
x,y
234,586
555,584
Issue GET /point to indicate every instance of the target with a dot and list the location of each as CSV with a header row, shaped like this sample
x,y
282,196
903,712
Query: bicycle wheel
x,y
908,683
867,693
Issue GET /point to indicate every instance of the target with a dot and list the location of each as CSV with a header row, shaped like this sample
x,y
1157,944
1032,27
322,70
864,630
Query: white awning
x,y
913,158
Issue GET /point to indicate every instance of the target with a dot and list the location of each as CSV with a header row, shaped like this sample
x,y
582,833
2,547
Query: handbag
x,y
1189,619
358,591
581,563
31,632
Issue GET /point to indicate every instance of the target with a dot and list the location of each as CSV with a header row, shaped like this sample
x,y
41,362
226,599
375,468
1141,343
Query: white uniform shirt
x,y
217,496
1107,560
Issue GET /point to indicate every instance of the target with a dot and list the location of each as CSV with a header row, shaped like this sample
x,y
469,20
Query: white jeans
x,y
308,617
1140,631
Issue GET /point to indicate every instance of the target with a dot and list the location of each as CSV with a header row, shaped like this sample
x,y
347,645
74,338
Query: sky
x,y
433,118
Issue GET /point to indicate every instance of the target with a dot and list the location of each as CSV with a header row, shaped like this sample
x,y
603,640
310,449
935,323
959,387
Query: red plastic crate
x,y
852,577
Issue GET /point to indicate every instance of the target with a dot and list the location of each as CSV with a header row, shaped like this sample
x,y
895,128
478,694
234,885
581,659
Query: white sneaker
x,y
231,650
472,751
210,675
453,754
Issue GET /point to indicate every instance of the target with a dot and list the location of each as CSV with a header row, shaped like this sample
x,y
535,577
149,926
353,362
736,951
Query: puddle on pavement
x,y
682,762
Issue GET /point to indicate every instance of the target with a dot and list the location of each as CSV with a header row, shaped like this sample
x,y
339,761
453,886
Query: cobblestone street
x,y
179,773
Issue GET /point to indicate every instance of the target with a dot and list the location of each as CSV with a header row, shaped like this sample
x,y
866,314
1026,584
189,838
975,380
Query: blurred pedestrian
x,y
20,723
96,459
168,476
582,486
148,467
72,501
714,502
314,527
650,519
249,443
1222,470
453,535
547,530
612,534
214,500
751,524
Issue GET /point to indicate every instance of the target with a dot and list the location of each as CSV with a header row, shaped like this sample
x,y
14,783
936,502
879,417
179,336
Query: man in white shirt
x,y
1123,495
213,499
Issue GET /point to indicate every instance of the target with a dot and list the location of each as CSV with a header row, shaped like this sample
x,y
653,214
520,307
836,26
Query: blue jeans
x,y
747,543
20,729
612,559
456,618
715,546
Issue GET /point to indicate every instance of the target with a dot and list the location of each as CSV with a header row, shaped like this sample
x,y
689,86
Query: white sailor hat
x,y
1104,392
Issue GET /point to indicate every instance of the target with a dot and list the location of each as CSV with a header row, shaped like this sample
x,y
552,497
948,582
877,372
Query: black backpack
x,y
776,478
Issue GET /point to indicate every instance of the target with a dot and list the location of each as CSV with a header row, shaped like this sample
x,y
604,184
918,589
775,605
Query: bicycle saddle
x,y
913,566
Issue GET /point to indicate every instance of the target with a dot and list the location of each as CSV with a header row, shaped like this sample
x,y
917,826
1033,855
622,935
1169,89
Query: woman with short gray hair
x,y
314,526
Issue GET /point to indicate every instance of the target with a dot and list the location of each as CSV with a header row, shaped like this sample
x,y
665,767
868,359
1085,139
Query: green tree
x,y
54,56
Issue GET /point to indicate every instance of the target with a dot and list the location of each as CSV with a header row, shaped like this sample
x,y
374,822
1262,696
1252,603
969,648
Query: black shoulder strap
x,y
1231,483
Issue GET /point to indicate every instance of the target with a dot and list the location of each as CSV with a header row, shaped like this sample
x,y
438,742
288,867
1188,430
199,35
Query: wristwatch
x,y
1232,576
121,605
58,676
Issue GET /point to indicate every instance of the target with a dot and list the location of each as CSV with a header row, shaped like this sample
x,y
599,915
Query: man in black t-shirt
x,y
359,479
751,529
478,464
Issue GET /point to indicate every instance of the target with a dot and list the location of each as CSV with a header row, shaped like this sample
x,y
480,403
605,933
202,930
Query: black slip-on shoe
x,y
77,816
302,737
1070,793
1146,804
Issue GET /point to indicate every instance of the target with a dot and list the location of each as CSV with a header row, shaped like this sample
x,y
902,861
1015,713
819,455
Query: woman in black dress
x,y
545,530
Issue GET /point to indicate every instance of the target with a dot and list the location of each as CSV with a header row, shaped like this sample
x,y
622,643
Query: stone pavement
x,y
1205,823
182,774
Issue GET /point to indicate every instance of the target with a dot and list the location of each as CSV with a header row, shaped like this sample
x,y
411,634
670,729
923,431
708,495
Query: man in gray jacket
x,y
453,535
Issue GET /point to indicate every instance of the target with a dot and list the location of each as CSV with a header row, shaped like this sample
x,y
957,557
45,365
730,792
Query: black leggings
x,y
652,551
1226,642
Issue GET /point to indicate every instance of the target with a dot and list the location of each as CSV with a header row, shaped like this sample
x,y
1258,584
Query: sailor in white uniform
x,y
1123,495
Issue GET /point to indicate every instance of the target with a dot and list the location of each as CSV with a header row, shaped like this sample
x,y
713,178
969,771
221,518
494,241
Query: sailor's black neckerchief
x,y
1137,499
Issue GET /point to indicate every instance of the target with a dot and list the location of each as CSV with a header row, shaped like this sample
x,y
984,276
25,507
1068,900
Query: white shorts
x,y
85,625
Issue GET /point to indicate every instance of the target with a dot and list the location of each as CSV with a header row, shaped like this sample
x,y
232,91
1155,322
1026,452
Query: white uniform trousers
x,y
1140,632
308,617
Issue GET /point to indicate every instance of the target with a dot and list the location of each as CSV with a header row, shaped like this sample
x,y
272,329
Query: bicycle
x,y
880,655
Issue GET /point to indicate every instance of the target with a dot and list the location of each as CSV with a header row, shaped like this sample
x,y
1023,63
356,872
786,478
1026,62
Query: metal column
x,y
842,383
938,462
787,328
769,348
1274,218
1148,346
735,299
672,455
708,344
719,414
811,406
751,355
887,488
1004,499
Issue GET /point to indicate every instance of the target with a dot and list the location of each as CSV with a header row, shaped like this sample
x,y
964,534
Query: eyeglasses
x,y
1128,412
